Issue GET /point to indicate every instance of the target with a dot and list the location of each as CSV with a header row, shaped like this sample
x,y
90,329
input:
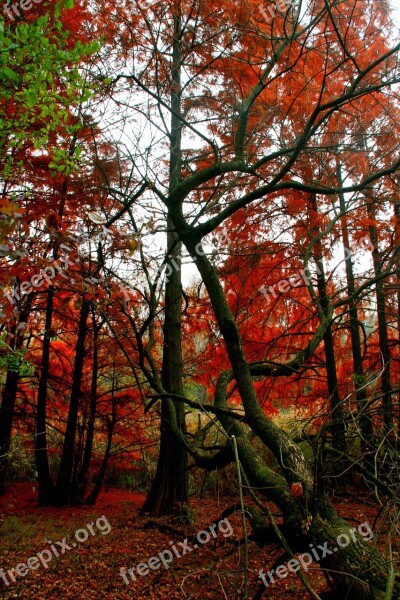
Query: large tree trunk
x,y
311,516
169,488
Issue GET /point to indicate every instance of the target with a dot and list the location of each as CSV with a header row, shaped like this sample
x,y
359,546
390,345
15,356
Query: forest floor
x,y
90,568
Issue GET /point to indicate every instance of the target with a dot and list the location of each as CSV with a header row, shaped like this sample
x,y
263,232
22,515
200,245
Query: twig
x,y
246,547
284,544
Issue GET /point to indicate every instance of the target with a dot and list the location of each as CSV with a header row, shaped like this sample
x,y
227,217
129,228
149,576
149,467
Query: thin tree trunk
x,y
6,421
9,396
82,477
46,488
337,426
382,326
94,494
45,484
64,479
397,246
358,367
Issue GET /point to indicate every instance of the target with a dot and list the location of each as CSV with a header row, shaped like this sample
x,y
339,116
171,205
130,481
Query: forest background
x,y
200,263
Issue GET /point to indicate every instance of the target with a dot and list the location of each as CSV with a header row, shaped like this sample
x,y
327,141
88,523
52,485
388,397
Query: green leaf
x,y
10,74
57,10
31,97
39,70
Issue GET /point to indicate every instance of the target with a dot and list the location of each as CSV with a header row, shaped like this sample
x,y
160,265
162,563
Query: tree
x,y
169,489
39,76
274,97
242,122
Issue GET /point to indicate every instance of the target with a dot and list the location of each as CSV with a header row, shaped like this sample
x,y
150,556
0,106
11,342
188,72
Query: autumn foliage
x,y
199,239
